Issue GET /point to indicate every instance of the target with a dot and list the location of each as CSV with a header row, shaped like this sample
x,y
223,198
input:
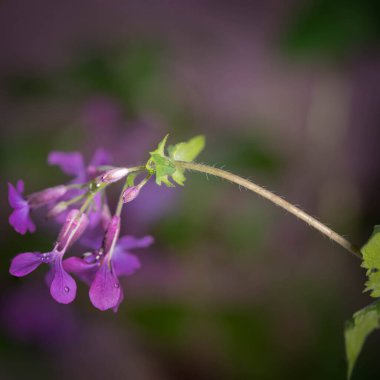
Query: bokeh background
x,y
287,93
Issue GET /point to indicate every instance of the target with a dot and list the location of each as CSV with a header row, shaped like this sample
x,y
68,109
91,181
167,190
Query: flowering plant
x,y
81,207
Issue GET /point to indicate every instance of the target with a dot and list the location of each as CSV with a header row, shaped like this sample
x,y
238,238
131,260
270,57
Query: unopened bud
x,y
114,175
130,194
74,226
46,196
56,210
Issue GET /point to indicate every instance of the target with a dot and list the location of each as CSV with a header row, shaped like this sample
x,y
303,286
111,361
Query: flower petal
x,y
15,197
21,221
70,163
25,263
63,287
105,290
101,157
20,186
116,308
49,277
31,226
130,242
124,263
84,270
91,241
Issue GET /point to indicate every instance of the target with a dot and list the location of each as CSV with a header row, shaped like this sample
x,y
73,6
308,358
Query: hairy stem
x,y
274,199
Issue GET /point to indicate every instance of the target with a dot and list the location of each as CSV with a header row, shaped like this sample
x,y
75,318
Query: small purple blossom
x,y
19,219
62,285
102,268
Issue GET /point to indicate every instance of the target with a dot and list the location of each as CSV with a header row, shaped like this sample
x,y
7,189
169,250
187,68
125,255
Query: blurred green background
x,y
287,94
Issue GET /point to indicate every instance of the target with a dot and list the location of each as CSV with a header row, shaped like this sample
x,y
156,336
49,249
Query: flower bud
x,y
72,229
56,210
130,194
112,234
114,175
46,196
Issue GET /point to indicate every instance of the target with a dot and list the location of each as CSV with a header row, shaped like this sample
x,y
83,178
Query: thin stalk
x,y
274,199
87,203
140,168
76,186
130,170
74,200
120,203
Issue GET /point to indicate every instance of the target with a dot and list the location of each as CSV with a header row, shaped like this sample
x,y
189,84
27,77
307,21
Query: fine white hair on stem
x,y
275,199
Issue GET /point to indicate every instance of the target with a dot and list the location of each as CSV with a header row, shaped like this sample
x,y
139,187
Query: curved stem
x,y
274,199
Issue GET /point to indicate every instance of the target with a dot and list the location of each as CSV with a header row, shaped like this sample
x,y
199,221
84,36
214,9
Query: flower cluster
x,y
81,207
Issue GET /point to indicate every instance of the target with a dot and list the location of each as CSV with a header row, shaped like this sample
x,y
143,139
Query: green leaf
x,y
161,147
371,250
160,164
357,329
186,151
164,167
373,284
371,261
179,176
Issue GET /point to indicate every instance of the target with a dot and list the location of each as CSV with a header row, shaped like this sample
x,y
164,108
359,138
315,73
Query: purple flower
x,y
62,285
19,219
72,163
102,268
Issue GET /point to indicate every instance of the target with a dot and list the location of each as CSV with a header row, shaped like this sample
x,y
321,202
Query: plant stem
x,y
119,206
274,199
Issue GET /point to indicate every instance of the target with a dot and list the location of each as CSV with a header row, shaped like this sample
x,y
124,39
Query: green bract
x,y
164,166
371,261
357,329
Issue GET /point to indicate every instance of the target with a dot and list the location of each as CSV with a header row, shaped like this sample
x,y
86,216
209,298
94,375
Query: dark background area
x,y
287,94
